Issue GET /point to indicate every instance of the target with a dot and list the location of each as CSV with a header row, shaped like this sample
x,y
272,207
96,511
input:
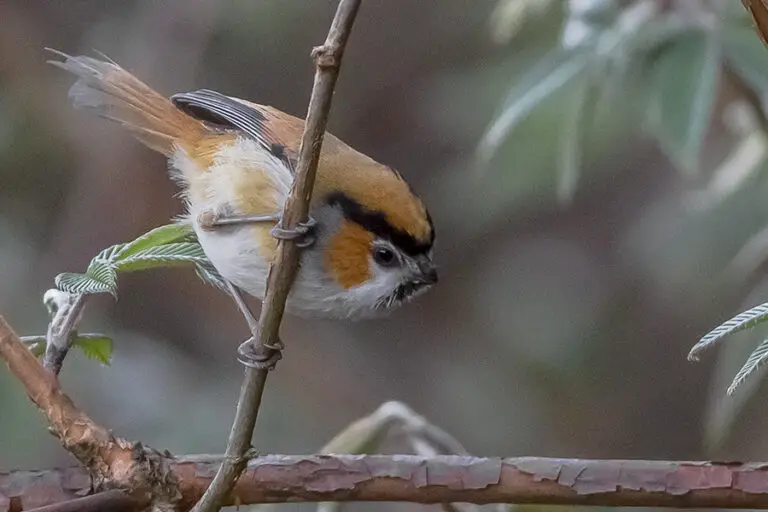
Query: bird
x,y
367,246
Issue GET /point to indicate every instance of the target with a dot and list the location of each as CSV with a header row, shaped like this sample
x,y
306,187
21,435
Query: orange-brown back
x,y
153,119
362,179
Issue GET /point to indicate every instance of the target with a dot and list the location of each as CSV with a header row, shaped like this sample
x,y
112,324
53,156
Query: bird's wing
x,y
223,111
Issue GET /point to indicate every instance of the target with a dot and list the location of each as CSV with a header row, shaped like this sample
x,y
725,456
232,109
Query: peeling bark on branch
x,y
279,479
113,462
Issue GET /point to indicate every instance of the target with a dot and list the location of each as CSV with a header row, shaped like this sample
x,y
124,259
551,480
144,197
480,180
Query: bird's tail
x,y
118,95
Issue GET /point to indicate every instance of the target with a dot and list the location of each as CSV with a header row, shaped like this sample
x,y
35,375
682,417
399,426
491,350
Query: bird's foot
x,y
303,234
260,357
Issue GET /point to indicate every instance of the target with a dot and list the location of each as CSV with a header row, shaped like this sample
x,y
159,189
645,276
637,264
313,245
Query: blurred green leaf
x,y
626,53
746,55
95,346
510,16
554,71
575,130
740,322
686,80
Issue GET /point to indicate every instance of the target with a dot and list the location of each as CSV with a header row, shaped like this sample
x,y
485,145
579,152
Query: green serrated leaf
x,y
746,55
686,80
109,254
740,322
552,72
100,278
95,346
167,255
170,233
755,360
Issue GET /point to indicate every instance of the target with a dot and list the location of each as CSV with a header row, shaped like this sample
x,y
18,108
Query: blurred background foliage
x,y
595,170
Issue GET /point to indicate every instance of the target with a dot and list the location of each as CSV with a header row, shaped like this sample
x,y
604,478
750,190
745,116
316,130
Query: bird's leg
x,y
250,352
303,234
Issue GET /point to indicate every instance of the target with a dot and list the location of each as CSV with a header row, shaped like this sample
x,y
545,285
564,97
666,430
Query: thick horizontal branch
x,y
278,479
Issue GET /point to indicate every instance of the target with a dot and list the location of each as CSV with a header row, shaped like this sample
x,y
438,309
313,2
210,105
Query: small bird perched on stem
x,y
367,245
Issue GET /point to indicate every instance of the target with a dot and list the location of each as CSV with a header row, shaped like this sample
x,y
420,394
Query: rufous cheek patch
x,y
347,255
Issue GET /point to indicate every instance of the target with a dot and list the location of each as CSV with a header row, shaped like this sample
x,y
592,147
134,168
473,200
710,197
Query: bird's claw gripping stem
x,y
303,235
260,357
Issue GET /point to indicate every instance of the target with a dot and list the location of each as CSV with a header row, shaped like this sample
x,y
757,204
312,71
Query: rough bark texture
x,y
113,462
279,479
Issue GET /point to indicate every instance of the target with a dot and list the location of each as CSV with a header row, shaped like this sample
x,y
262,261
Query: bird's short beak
x,y
427,270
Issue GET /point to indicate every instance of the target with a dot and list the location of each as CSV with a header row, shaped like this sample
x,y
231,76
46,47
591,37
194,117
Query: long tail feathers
x,y
118,95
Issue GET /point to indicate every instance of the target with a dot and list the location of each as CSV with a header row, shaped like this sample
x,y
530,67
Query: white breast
x,y
235,252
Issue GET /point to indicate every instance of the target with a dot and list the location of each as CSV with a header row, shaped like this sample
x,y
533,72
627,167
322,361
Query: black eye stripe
x,y
376,223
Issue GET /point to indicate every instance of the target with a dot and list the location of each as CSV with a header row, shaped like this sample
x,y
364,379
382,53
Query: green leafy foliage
x,y
167,246
675,57
99,278
168,255
95,346
746,54
550,74
98,347
168,234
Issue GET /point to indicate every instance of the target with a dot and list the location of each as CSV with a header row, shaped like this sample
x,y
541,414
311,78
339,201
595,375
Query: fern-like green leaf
x,y
95,346
99,278
740,322
109,254
756,359
167,246
168,234
103,271
167,255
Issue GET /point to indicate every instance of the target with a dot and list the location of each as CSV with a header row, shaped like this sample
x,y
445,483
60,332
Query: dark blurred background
x,y
559,327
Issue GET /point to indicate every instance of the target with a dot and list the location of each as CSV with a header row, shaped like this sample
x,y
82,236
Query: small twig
x,y
66,310
112,462
77,432
281,274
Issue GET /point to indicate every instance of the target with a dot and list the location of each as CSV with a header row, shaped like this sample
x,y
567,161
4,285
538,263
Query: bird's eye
x,y
385,256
